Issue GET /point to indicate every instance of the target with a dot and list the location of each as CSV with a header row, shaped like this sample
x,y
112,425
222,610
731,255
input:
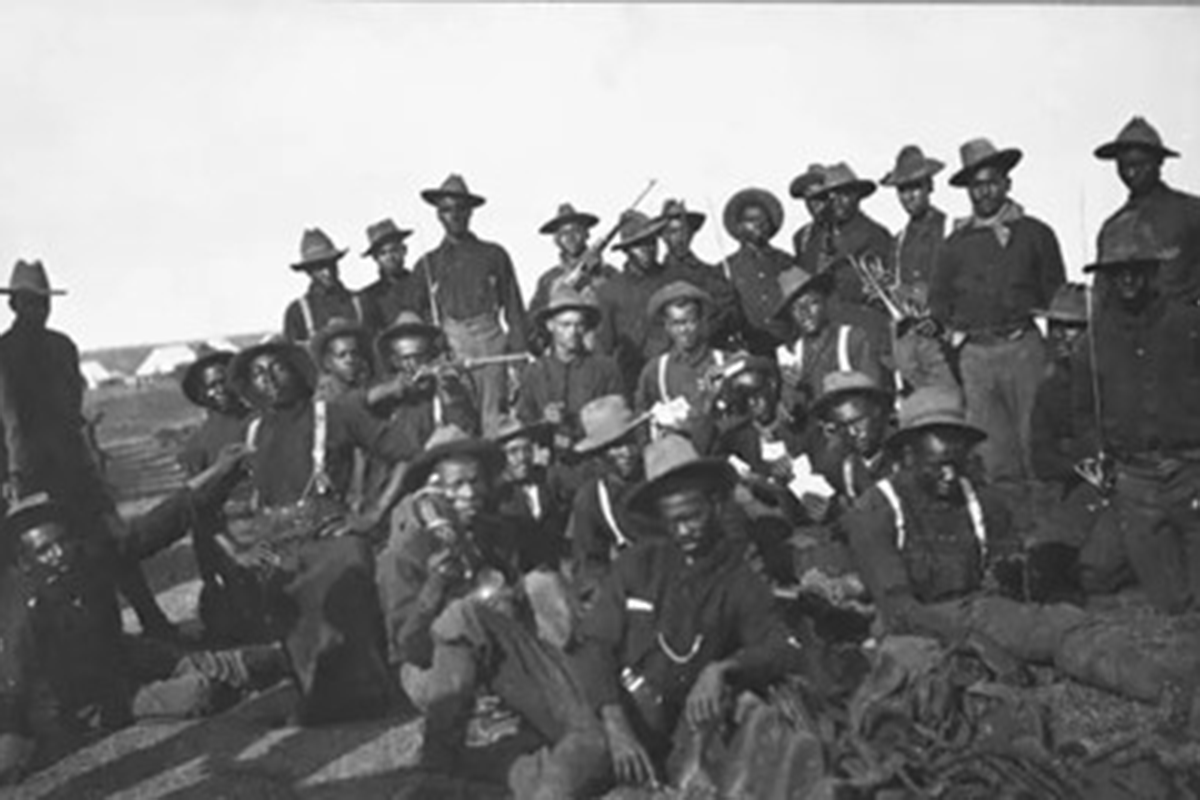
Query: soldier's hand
x,y
704,700
631,762
554,413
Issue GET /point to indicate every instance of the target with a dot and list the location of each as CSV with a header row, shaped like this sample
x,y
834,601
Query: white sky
x,y
163,159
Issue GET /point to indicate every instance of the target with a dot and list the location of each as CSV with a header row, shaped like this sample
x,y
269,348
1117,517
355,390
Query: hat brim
x,y
532,430
1051,315
1124,263
1109,151
312,263
956,427
716,471
802,185
189,384
821,282
405,330
435,196
929,169
827,401
397,235
578,218
591,313
488,453
656,305
1005,160
861,187
295,355
31,290
752,196
590,444
694,219
650,233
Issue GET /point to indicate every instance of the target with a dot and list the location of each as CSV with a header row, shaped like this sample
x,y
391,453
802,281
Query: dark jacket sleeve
x,y
527,409
941,285
601,633
766,649
510,299
1051,272
609,379
587,531
388,443
294,327
871,527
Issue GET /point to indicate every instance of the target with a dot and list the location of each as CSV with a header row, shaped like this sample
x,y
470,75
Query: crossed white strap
x,y
974,510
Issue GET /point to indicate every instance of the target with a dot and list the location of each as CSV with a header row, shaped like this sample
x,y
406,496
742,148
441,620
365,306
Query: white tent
x,y
95,373
165,360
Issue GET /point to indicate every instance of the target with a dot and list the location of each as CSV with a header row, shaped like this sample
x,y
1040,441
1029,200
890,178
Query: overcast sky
x,y
163,159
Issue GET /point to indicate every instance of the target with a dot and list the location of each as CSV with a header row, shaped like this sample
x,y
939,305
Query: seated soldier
x,y
689,369
65,666
853,412
681,620
561,382
820,346
928,543
600,525
531,494
342,353
305,573
458,624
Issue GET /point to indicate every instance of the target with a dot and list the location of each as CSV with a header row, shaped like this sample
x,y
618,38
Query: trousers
x,y
476,337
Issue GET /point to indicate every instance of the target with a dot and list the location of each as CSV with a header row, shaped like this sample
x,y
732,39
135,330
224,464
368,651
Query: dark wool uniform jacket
x,y
1173,219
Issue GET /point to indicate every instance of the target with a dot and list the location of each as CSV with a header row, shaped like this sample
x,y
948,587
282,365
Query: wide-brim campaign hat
x,y
293,355
838,387
912,165
30,276
676,292
450,441
407,325
316,248
1068,305
567,215
335,329
638,229
191,384
979,153
510,427
673,460
453,187
795,281
806,183
934,408
563,298
675,209
1138,252
31,512
1137,133
605,420
840,176
750,197
383,231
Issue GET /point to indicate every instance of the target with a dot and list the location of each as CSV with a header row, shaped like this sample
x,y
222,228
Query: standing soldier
x,y
805,187
472,283
680,226
1172,216
995,268
397,289
571,230
327,297
753,217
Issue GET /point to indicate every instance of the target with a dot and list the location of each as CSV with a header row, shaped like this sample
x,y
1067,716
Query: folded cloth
x,y
805,481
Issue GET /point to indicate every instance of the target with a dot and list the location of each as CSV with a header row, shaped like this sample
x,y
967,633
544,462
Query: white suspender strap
x,y
606,510
319,479
975,510
843,348
893,499
718,358
848,477
356,301
251,438
310,324
663,394
439,411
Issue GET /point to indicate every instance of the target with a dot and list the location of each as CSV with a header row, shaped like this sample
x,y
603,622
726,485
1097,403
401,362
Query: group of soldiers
x,y
563,531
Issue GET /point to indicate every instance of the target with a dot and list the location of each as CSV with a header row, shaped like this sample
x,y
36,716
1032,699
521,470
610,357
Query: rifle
x,y
588,264
1096,471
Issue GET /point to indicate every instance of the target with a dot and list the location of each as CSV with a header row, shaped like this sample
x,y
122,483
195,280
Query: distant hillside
x,y
126,360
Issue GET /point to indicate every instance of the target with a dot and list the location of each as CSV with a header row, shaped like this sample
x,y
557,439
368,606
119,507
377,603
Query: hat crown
x,y
566,210
932,404
1139,131
668,453
673,207
976,150
29,276
1135,241
1070,302
562,296
454,184
446,434
839,174
407,317
315,245
604,414
792,280
849,380
633,223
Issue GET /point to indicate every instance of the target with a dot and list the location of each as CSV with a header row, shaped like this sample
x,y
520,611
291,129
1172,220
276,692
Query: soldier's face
x,y
47,554
678,236
809,313
843,204
1139,169
755,395
755,224
464,482
518,457
644,255
1133,285
325,274
571,239
214,388
1063,336
859,424
623,456
455,215
914,197
567,329
274,380
407,354
682,322
989,191
816,206
690,518
31,308
346,360
940,461
390,256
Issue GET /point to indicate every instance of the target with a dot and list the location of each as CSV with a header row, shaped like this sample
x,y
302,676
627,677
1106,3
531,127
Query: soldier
x,y
397,289
531,493
327,297
1147,367
680,225
1172,216
753,217
805,187
853,411
342,352
994,269
473,286
570,229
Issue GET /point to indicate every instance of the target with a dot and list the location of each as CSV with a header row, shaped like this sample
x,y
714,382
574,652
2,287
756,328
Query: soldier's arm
x,y
514,306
